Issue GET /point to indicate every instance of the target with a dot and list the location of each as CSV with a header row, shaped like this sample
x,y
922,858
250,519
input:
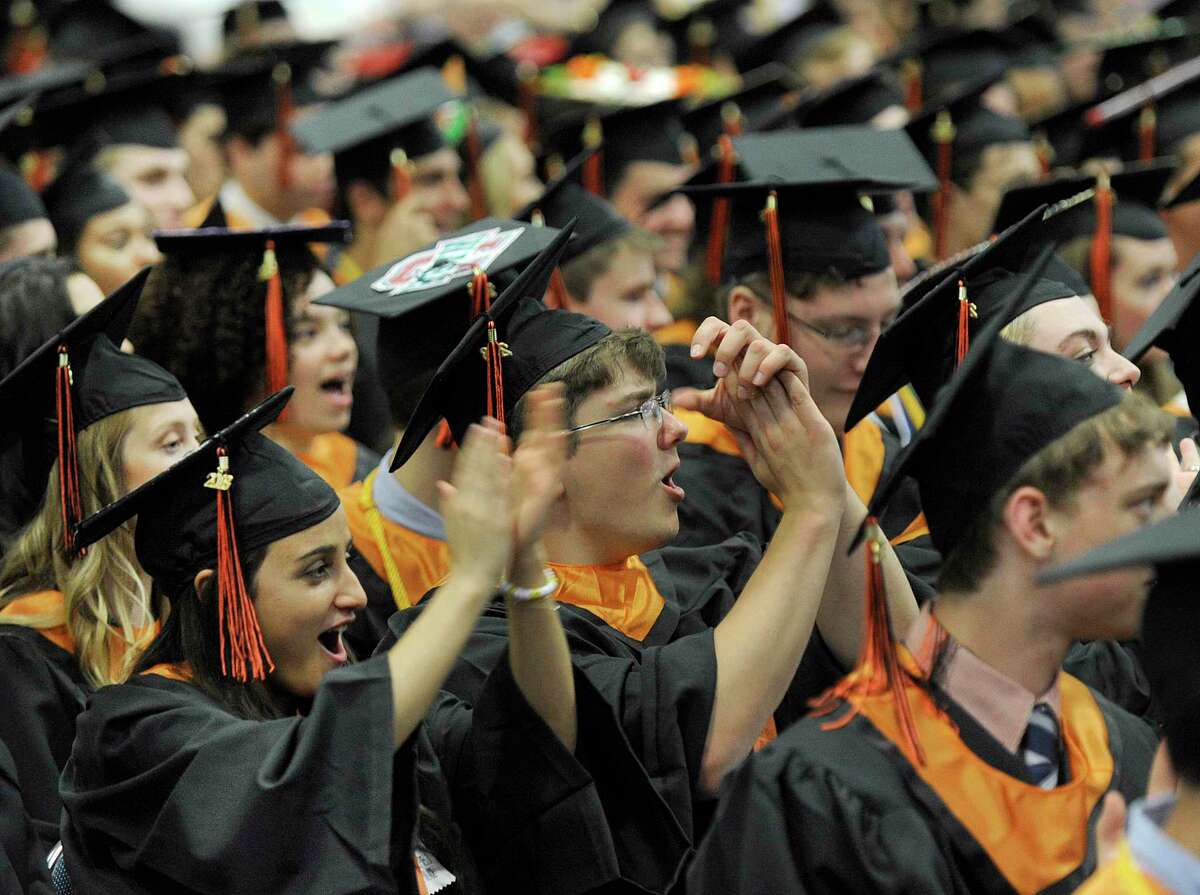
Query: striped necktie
x,y
1040,748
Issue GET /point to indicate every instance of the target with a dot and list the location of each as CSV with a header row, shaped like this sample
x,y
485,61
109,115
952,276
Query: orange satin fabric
x,y
678,333
174,671
996,808
333,457
623,595
1122,876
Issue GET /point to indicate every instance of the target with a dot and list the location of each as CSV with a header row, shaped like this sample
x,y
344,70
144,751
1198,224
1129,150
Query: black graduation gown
x,y
21,859
44,691
837,811
168,792
1115,670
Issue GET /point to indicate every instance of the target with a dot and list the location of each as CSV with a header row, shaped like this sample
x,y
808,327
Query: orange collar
x,y
48,603
332,456
173,671
623,595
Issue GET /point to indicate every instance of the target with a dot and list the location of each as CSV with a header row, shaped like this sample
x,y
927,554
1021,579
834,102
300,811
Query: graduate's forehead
x,y
330,535
629,386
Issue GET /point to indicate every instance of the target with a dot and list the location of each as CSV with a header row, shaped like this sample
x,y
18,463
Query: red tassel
x,y
556,296
878,669
445,438
401,174
494,355
775,259
1045,153
244,654
911,73
701,35
277,346
1099,258
482,292
70,495
593,168
1147,127
284,110
527,75
719,221
38,167
479,207
943,137
966,310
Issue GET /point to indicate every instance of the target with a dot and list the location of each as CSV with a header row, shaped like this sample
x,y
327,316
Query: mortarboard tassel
x,y
454,75
1100,254
38,167
401,174
775,267
70,498
966,311
482,293
474,174
1147,127
445,437
878,669
28,45
593,168
276,323
910,73
1045,152
527,76
281,77
244,654
701,35
719,221
943,137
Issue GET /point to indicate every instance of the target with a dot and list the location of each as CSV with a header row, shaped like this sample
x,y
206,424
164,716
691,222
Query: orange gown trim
x,y
1122,876
333,457
678,333
175,671
52,602
994,807
423,562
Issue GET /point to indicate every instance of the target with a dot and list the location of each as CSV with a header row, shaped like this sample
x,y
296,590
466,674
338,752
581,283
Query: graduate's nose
x,y
350,593
672,431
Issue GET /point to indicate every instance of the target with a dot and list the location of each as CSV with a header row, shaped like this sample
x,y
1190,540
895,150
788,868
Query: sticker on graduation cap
x,y
448,260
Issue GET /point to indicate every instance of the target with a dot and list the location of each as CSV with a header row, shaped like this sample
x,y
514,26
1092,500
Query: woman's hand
x,y
478,507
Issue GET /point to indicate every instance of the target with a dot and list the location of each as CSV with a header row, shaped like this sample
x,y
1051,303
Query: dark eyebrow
x,y
640,395
316,552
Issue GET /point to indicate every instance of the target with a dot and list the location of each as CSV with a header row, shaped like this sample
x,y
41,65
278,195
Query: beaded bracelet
x,y
530,594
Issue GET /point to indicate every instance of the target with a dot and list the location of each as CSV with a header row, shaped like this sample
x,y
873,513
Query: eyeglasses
x,y
650,411
843,335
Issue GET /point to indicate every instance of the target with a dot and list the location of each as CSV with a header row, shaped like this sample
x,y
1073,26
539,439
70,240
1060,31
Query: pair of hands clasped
x,y
762,396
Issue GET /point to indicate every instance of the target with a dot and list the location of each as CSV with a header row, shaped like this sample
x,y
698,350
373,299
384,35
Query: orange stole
x,y
423,562
332,456
51,602
174,671
995,808
1122,876
678,333
624,596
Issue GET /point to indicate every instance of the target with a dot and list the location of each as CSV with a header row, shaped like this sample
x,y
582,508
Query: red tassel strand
x,y
1147,128
494,353
719,222
1099,257
284,110
482,292
775,259
966,311
445,437
943,137
556,296
911,73
70,496
277,346
244,654
593,168
401,174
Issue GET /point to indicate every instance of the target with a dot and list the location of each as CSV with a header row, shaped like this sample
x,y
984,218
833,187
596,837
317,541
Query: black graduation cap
x,y
18,201
564,199
753,34
652,133
237,492
465,74
951,60
693,27
505,352
610,23
927,341
1135,59
974,126
73,380
1173,327
1062,138
95,30
1152,118
853,101
242,19
1003,405
425,300
79,193
767,93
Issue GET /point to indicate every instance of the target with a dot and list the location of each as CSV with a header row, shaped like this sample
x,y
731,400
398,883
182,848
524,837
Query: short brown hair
x,y
579,274
599,367
1058,470
803,285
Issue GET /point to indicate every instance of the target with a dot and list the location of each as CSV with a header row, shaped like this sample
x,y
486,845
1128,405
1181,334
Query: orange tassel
x,y
401,174
244,654
38,167
878,669
284,110
494,355
1099,258
527,75
276,322
479,207
775,260
556,296
1147,127
966,310
911,73
70,498
445,438
593,168
482,292
943,137
1045,153
719,221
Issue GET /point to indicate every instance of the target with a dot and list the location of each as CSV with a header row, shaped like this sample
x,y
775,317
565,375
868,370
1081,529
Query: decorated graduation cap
x,y
929,340
18,202
238,492
80,192
219,243
1174,327
427,300
855,100
958,129
790,202
506,351
1152,118
380,130
1123,204
73,380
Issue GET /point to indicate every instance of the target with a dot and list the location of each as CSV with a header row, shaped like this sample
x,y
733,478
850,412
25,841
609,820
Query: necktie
x,y
1039,747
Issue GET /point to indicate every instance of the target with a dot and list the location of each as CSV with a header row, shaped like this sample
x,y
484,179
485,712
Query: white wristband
x,y
529,594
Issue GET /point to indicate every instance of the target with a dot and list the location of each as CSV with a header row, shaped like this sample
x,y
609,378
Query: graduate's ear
x,y
366,204
743,305
201,576
1026,517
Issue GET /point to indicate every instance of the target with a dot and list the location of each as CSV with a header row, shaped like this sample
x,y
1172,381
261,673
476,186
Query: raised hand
x,y
478,507
538,463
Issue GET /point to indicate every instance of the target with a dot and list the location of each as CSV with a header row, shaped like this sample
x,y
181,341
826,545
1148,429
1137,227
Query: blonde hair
x,y
104,595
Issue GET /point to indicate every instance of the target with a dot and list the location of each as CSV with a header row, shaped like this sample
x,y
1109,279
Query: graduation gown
x,y
338,459
22,860
1115,670
851,810
167,791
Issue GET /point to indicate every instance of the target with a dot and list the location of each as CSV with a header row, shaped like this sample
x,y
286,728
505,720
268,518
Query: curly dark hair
x,y
201,316
34,306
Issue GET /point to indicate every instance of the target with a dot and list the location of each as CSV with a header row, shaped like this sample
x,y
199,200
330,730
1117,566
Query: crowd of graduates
x,y
629,446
